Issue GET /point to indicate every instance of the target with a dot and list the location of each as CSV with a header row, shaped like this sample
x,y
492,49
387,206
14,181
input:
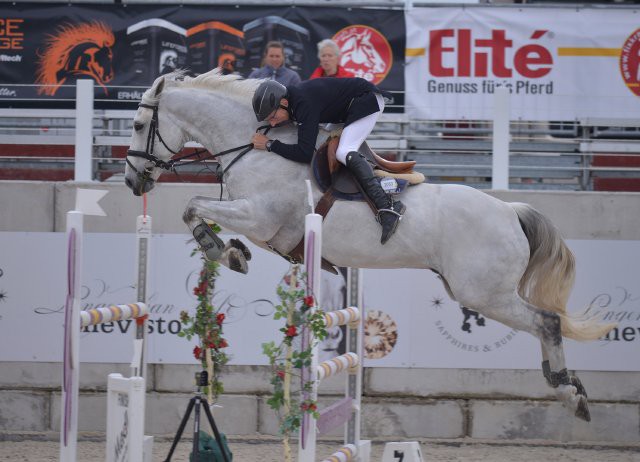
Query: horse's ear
x,y
160,86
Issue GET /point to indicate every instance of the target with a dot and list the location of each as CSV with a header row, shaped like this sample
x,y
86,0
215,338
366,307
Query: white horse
x,y
504,260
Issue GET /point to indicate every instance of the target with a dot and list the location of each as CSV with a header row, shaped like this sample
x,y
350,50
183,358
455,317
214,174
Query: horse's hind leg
x,y
545,325
569,388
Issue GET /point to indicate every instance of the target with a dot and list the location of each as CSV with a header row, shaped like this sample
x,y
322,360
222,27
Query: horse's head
x,y
211,109
150,148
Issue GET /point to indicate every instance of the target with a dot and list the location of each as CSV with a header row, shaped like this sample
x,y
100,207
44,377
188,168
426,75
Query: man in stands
x,y
273,66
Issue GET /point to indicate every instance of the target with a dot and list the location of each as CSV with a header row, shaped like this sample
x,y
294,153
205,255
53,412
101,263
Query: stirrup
x,y
399,214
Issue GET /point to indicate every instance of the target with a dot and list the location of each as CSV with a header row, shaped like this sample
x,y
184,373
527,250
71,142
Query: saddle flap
x,y
384,164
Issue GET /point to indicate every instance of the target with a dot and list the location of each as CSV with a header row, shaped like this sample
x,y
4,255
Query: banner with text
x,y
414,325
558,64
45,48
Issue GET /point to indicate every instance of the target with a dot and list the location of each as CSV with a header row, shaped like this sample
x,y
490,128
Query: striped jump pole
x,y
75,319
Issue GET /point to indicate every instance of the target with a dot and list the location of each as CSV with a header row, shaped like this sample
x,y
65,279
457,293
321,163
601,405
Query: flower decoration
x,y
207,324
302,319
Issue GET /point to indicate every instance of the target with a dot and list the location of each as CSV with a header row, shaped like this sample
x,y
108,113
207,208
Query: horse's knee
x,y
189,215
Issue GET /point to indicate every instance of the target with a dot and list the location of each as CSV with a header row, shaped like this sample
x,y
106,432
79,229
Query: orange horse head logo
x,y
76,51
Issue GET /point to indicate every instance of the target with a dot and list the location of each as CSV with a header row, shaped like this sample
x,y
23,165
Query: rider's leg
x,y
353,135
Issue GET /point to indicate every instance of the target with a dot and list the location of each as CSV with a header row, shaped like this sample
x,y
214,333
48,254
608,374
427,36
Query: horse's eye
x,y
137,126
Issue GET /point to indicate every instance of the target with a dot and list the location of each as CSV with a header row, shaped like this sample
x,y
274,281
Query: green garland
x,y
297,309
207,324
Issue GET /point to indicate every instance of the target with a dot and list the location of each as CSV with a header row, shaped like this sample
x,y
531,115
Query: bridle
x,y
172,164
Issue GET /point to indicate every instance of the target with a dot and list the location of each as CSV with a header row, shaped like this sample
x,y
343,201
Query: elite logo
x,y
630,62
76,51
365,52
457,53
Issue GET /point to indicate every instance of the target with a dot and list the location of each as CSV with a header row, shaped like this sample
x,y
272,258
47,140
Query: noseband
x,y
154,131
171,164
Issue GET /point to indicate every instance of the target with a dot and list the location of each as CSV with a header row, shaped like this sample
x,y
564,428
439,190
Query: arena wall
x,y
402,403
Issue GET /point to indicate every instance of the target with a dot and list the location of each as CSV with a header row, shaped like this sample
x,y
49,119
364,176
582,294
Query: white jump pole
x,y
143,238
70,375
500,161
348,409
312,258
126,397
84,131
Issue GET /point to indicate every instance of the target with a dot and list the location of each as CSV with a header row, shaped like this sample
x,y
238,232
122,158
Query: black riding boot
x,y
389,211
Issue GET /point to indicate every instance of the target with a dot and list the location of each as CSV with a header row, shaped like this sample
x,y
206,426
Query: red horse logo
x,y
365,52
76,51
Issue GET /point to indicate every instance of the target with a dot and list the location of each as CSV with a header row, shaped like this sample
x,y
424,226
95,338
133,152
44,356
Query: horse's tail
x,y
549,277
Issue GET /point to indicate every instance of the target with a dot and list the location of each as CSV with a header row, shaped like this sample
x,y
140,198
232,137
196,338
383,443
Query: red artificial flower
x,y
223,344
197,352
280,374
309,407
220,318
291,331
309,301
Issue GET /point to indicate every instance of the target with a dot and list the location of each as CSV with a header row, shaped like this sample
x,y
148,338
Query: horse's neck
x,y
215,121
220,123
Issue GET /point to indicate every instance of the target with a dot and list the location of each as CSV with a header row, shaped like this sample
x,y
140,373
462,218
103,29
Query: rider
x,y
354,102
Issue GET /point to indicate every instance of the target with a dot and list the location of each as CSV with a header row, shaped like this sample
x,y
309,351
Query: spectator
x,y
329,56
227,63
273,66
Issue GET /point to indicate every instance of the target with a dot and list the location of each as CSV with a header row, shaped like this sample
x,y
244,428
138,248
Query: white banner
x,y
413,325
558,64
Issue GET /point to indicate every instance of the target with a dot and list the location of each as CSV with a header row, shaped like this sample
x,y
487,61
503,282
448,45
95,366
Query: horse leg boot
x,y
389,211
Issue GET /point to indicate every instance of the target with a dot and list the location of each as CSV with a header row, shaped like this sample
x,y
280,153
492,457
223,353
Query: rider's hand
x,y
259,141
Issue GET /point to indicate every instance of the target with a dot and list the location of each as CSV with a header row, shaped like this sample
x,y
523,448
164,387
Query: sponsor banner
x,y
415,325
123,48
558,64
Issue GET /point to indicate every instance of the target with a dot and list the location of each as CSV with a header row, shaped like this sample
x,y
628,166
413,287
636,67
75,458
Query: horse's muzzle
x,y
139,187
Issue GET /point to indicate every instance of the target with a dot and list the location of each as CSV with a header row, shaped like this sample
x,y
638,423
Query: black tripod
x,y
202,378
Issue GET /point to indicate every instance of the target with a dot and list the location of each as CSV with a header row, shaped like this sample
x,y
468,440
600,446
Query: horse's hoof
x,y
575,381
582,412
238,244
237,261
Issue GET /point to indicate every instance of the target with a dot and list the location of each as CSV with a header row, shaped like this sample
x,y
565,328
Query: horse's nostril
x,y
128,182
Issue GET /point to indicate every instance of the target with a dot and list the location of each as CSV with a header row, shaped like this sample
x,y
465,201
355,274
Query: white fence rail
x,y
502,154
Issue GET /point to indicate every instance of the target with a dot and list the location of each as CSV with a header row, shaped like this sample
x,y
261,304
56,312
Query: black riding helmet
x,y
267,98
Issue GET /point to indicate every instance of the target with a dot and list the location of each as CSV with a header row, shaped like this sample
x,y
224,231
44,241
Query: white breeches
x,y
355,133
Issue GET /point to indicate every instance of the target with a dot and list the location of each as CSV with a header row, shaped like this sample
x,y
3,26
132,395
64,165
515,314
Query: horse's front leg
x,y
238,216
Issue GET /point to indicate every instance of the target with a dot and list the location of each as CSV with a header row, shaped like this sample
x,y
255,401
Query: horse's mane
x,y
59,46
232,85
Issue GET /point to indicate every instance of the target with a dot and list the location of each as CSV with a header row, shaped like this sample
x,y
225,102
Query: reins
x,y
172,164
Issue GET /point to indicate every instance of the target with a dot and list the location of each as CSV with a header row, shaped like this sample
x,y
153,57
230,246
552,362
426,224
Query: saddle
x,y
337,182
333,177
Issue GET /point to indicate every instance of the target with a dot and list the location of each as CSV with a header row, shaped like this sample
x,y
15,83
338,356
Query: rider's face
x,y
279,115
